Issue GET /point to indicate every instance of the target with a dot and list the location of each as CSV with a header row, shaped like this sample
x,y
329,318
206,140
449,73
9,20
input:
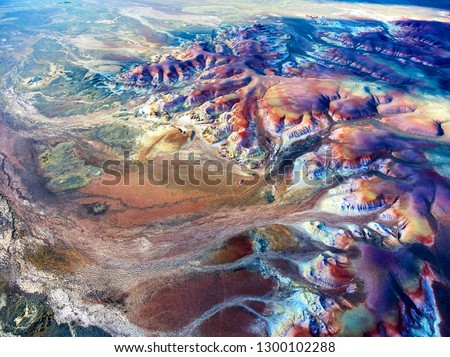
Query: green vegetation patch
x,y
121,137
67,171
268,196
23,314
